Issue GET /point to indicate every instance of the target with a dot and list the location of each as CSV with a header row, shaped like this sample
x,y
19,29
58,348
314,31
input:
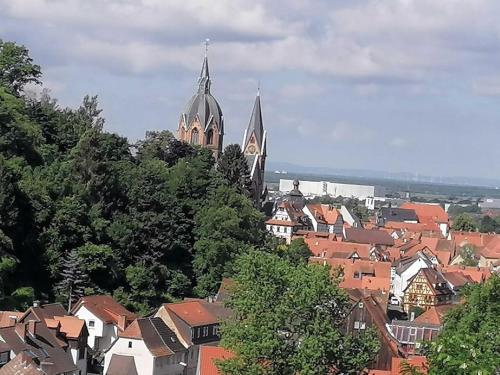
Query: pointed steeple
x,y
256,125
204,81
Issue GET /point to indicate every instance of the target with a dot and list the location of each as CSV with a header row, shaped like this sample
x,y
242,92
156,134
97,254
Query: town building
x,y
195,323
426,289
333,189
209,356
104,318
146,347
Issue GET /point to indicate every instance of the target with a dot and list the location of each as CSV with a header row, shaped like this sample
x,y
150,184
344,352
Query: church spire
x,y
204,81
256,126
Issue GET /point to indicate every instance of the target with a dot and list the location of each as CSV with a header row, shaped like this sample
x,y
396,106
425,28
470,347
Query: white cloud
x,y
300,90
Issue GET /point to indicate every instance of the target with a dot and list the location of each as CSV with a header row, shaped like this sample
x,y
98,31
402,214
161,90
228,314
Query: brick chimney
x,y
122,322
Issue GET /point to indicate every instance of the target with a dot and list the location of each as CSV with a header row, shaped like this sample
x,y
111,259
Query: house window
x,y
362,325
210,137
130,344
360,305
91,323
215,330
4,358
198,330
205,331
195,136
356,325
81,352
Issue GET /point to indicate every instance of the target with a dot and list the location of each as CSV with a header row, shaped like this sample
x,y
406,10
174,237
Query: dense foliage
x,y
464,222
469,342
84,211
288,320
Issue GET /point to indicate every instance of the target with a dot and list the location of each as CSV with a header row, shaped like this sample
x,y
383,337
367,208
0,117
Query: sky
x,y
393,85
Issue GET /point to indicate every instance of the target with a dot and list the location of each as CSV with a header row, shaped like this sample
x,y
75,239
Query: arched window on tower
x,y
210,137
194,137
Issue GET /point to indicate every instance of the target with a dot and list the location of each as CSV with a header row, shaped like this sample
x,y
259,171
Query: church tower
x,y
254,148
202,123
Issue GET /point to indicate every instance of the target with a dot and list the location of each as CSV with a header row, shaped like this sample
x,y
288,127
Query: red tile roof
x,y
427,212
434,315
492,249
320,245
194,313
368,236
70,325
477,274
106,309
209,355
474,238
419,362
9,318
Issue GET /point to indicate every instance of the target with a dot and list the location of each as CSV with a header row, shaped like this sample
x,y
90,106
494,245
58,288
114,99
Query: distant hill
x,y
367,173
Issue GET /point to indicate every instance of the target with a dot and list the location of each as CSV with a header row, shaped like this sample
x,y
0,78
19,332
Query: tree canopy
x,y
147,222
464,222
469,342
287,320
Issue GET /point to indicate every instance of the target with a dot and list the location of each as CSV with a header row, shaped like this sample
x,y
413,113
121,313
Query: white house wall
x,y
96,331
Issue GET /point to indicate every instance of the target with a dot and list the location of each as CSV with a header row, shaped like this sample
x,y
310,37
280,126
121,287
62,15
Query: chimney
x,y
21,330
412,316
122,322
36,303
32,326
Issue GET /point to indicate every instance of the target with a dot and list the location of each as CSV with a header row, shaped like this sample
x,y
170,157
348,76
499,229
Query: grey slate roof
x,y
256,125
203,105
398,214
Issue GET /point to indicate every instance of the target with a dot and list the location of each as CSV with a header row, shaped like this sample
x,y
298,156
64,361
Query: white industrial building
x,y
334,189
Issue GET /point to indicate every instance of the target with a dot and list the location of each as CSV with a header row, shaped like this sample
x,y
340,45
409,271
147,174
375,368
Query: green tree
x,y
489,225
225,228
465,223
74,280
16,67
287,320
296,252
469,342
468,254
408,369
233,167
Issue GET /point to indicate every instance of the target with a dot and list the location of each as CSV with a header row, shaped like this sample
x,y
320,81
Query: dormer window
x,y
91,323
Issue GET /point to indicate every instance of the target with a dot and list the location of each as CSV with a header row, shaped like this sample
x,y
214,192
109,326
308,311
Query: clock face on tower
x,y
251,149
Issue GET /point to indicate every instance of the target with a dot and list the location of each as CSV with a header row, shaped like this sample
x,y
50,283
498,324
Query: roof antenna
x,y
207,43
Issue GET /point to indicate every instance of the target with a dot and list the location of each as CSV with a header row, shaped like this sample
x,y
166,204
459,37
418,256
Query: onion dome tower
x,y
202,122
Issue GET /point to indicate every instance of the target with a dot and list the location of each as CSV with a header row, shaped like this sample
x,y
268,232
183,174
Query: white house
x,y
405,269
105,319
146,347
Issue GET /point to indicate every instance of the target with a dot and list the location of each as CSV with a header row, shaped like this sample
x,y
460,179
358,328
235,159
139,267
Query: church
x,y
202,124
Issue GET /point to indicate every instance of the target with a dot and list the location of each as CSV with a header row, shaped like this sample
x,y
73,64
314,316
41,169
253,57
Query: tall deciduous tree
x,y
233,167
17,67
287,320
464,222
469,342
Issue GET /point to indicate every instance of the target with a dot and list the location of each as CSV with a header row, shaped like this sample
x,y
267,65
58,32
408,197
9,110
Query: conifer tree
x,y
74,280
233,167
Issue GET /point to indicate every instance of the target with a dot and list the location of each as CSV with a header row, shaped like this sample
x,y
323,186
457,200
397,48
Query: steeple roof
x,y
256,125
204,81
203,105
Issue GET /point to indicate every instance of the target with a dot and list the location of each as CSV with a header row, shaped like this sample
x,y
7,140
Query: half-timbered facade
x,y
426,289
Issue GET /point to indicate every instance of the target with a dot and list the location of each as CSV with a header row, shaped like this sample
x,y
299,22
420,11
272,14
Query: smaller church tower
x,y
254,148
202,122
